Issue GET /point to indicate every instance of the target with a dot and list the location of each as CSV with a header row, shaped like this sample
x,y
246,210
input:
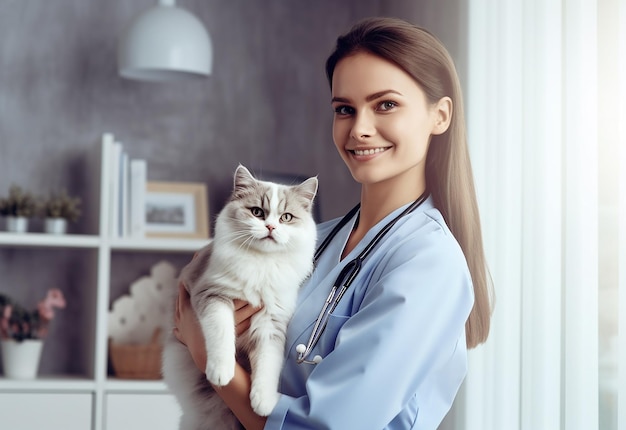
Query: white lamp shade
x,y
165,43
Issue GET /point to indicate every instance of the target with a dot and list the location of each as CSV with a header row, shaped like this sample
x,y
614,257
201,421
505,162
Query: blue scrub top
x,y
394,352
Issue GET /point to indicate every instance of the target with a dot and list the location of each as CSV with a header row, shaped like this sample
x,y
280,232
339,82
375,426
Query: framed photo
x,y
177,210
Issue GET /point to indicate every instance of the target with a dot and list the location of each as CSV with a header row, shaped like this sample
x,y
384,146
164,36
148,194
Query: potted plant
x,y
58,209
18,207
22,332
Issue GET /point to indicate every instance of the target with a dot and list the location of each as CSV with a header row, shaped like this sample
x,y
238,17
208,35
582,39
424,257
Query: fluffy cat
x,y
261,252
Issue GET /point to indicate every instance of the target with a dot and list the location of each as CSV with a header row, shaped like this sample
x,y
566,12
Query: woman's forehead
x,y
364,75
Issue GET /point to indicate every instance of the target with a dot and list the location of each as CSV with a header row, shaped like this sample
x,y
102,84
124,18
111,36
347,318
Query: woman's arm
x,y
236,394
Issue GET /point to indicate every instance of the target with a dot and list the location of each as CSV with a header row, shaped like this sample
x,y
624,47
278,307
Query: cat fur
x,y
262,261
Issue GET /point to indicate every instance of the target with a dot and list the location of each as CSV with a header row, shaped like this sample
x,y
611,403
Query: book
x,y
114,190
138,181
123,230
108,141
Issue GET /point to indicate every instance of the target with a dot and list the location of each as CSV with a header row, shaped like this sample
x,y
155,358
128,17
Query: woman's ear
x,y
443,115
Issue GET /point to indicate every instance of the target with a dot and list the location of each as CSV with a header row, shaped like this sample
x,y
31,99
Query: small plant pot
x,y
20,360
17,224
56,225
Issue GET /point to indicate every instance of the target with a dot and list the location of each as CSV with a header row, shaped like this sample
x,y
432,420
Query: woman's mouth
x,y
369,151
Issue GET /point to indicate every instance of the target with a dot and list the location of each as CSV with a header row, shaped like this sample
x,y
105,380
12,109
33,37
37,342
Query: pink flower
x,y
20,323
4,321
7,312
55,296
54,299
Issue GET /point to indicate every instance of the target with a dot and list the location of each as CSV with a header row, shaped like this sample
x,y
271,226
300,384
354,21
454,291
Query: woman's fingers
x,y
242,327
239,304
243,312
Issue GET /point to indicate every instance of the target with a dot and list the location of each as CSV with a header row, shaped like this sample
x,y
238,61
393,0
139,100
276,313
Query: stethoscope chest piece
x,y
301,349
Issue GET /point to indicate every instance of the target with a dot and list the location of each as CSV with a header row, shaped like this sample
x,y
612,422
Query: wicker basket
x,y
137,361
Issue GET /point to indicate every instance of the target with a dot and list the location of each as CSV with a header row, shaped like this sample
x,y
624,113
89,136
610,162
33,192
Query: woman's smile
x,y
367,151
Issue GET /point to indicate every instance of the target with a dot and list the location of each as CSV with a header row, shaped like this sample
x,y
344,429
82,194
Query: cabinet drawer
x,y
141,411
28,411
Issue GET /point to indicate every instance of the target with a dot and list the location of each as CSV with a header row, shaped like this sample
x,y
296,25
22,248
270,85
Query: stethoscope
x,y
345,278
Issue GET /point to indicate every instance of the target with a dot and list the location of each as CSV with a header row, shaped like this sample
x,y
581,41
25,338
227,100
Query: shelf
x,y
89,241
92,268
49,240
135,386
52,383
158,245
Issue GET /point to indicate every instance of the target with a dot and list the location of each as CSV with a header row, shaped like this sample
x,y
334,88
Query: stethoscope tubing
x,y
353,266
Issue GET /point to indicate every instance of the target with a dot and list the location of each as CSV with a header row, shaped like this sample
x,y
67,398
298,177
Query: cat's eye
x,y
286,217
257,212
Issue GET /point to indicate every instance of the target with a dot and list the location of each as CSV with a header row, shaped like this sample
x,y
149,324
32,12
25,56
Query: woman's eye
x,y
344,110
257,212
387,105
286,217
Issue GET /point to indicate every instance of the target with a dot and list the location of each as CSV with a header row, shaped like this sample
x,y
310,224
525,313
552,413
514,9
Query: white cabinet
x,y
51,411
141,411
81,394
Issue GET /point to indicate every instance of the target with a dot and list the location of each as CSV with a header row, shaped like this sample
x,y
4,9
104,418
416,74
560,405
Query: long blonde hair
x,y
449,178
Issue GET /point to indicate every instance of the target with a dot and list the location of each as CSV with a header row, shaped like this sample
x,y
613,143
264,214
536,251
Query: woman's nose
x,y
363,126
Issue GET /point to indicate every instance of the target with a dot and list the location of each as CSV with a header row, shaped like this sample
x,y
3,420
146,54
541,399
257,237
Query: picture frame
x,y
176,210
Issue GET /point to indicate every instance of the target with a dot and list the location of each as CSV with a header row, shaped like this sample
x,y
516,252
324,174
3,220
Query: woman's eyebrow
x,y
339,100
380,94
369,98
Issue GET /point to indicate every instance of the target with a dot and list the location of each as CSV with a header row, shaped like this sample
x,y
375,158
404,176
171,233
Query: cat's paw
x,y
263,401
220,372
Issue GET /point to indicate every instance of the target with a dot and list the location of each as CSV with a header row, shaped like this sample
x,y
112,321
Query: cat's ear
x,y
243,179
308,189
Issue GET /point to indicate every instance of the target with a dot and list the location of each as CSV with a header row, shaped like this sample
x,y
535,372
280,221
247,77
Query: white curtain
x,y
535,79
621,253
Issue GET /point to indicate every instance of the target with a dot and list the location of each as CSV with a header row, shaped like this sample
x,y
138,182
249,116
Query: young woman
x,y
389,352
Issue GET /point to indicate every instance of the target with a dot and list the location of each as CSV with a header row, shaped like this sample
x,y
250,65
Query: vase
x,y
56,225
20,360
17,224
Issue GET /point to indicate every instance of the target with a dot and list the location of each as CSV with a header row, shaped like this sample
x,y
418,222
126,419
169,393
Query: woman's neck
x,y
376,204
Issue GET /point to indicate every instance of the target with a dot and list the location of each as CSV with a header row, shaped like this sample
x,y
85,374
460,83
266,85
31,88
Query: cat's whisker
x,y
239,237
247,243
244,239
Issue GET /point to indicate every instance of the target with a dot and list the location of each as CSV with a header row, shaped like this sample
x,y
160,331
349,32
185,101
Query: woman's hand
x,y
243,314
188,331
187,328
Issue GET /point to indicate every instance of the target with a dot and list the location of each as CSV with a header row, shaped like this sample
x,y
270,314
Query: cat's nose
x,y
270,227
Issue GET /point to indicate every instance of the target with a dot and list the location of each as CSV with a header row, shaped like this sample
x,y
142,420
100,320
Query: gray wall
x,y
265,106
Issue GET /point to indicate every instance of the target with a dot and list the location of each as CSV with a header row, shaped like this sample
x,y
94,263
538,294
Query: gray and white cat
x,y
261,252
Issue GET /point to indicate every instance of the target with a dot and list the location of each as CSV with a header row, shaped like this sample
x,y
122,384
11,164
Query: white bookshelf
x,y
48,240
92,399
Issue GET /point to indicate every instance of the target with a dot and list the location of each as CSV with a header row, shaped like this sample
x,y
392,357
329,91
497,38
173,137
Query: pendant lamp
x,y
165,43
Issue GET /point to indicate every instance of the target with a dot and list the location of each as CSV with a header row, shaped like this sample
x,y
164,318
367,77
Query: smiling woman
x,y
403,274
263,106
383,124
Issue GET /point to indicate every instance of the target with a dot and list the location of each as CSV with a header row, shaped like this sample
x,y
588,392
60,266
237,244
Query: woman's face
x,y
383,122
